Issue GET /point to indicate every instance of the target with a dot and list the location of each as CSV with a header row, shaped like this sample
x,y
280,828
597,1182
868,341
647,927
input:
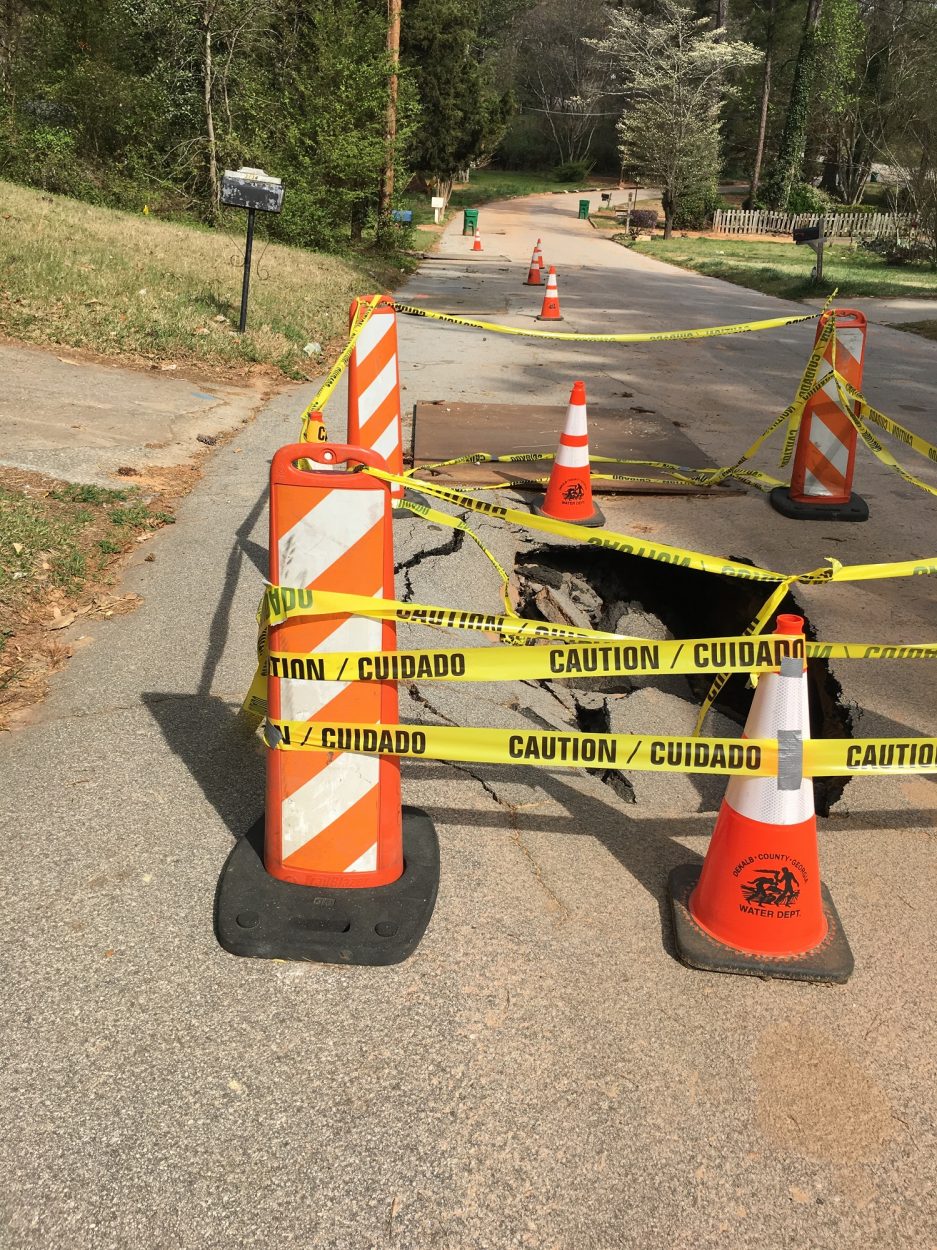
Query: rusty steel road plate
x,y
443,430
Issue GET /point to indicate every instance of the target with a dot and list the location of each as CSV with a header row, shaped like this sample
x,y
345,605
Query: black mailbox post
x,y
813,237
257,192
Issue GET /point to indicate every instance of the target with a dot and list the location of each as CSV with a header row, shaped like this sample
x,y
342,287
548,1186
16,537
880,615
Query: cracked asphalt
x,y
543,1072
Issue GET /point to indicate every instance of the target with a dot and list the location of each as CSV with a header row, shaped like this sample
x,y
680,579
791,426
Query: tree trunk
x,y
214,188
667,203
386,195
9,36
765,101
789,165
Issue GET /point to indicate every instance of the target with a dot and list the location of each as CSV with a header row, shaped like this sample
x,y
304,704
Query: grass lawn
x,y
127,285
60,545
784,269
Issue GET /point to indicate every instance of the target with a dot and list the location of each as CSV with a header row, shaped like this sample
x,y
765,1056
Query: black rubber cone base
x,y
597,518
259,915
855,510
830,961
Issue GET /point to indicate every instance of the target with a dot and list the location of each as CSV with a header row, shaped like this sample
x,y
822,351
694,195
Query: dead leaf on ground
x,y
60,620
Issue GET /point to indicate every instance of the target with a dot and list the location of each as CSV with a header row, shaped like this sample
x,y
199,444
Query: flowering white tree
x,y
674,69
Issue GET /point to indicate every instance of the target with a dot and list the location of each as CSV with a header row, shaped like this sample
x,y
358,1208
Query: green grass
x,y
487,185
85,492
128,285
59,538
783,269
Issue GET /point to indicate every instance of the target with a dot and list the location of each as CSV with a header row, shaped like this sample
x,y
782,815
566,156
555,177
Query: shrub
x,y
695,209
805,198
643,219
572,171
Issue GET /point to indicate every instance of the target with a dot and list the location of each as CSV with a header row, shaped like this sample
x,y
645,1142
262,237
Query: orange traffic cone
x,y
551,300
477,241
569,491
539,255
758,906
533,273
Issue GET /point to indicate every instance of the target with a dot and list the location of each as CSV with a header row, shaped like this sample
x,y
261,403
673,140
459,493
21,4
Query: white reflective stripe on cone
x,y
813,485
385,443
325,534
829,445
779,703
850,339
328,795
572,457
380,322
577,422
374,395
366,862
301,700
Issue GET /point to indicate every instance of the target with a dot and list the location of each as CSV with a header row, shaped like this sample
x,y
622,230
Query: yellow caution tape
x,y
663,336
751,757
313,429
282,603
890,425
626,657
878,451
663,552
770,605
593,537
589,653
840,757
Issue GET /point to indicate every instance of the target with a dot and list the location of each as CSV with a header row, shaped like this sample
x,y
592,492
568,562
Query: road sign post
x,y
257,192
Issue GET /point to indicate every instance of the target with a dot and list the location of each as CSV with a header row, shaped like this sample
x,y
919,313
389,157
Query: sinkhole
x,y
610,590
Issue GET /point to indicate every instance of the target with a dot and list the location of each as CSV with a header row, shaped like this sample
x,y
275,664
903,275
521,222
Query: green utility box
x,y
584,209
469,220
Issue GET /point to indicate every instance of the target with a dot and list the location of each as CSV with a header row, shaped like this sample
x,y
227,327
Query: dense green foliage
x,y
133,102
129,103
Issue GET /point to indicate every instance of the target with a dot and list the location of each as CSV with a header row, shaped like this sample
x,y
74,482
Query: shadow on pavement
x,y
222,753
204,730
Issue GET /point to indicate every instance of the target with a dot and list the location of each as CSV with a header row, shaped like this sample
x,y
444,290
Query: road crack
x,y
556,903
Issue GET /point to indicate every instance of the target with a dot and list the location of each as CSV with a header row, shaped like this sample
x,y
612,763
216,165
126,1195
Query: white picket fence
x,y
835,225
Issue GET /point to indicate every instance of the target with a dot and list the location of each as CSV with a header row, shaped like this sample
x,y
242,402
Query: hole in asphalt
x,y
625,594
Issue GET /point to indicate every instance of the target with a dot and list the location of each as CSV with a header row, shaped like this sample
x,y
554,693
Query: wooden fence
x,y
835,225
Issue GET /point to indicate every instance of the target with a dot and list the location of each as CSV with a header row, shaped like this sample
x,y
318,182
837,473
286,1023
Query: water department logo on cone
x,y
757,905
569,491
551,299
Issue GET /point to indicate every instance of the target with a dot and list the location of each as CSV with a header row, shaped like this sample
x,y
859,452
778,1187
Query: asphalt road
x,y
543,1072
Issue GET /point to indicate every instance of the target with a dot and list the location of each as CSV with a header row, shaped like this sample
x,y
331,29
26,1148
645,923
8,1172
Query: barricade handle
x,y
330,455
